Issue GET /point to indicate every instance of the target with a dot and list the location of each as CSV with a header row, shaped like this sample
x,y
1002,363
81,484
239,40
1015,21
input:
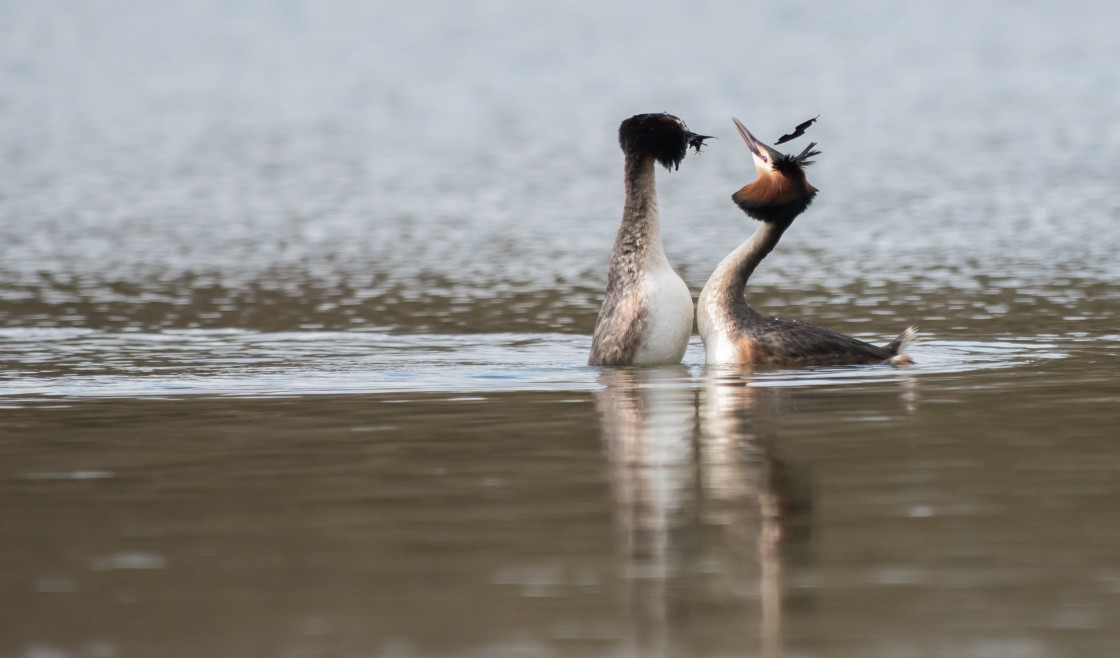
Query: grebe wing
x,y
617,331
783,339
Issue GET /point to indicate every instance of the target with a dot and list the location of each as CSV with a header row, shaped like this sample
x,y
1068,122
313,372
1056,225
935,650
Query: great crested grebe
x,y
646,317
733,332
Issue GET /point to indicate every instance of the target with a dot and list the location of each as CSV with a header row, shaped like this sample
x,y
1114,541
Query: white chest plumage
x,y
669,316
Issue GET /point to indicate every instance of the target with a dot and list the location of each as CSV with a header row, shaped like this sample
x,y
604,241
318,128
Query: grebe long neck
x,y
639,236
729,281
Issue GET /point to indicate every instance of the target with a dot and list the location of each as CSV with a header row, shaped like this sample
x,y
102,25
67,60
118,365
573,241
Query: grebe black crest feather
x,y
663,136
797,132
786,163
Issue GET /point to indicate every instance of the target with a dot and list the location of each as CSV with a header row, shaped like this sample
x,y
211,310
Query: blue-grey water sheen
x,y
76,364
296,297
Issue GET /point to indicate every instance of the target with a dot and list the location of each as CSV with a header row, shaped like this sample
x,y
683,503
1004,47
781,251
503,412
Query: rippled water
x,y
62,364
295,300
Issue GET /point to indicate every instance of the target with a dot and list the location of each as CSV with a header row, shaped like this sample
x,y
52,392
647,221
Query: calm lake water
x,y
295,299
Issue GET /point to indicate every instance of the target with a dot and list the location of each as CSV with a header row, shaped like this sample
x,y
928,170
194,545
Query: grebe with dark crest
x,y
735,333
646,317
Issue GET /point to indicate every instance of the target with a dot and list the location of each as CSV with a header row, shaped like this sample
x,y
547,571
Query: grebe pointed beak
x,y
752,143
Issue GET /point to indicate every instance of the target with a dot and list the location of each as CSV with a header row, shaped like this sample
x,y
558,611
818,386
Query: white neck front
x,y
724,298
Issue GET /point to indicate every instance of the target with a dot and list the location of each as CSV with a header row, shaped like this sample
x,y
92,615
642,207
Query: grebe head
x,y
663,137
781,192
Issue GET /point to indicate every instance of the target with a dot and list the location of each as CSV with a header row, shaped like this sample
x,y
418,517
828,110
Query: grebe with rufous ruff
x,y
735,333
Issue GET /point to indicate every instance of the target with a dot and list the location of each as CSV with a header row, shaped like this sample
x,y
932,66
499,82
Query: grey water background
x,y
295,299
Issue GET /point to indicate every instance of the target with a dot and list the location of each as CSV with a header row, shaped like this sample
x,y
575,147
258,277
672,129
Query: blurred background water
x,y
295,299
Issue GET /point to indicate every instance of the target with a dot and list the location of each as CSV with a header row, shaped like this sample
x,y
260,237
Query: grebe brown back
x,y
732,331
646,317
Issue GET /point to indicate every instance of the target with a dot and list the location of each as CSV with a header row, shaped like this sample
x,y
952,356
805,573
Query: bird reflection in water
x,y
765,506
703,510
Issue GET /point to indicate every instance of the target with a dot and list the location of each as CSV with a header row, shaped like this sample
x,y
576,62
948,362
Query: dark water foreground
x,y
295,299
963,508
